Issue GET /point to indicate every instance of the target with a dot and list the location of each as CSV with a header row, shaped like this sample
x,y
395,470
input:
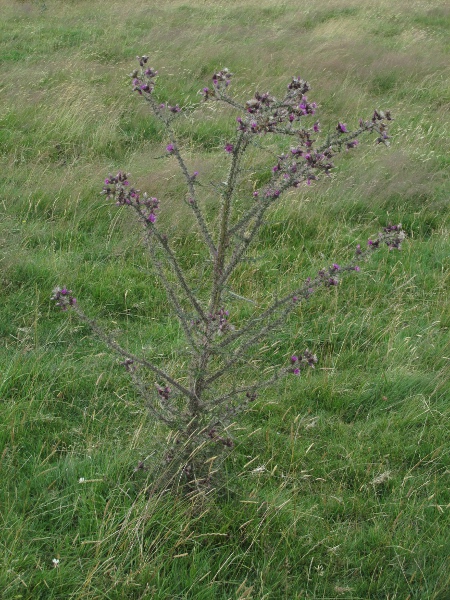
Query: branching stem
x,y
135,359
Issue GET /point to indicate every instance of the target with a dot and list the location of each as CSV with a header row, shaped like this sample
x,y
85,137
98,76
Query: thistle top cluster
x,y
265,114
308,157
307,359
117,187
393,239
143,82
63,298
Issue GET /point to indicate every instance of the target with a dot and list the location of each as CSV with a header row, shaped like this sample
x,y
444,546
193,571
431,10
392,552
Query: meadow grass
x,y
338,485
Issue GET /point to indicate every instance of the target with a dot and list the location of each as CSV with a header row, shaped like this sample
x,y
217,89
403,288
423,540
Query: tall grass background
x,y
338,486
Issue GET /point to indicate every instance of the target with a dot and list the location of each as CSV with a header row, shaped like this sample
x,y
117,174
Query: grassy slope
x,y
350,496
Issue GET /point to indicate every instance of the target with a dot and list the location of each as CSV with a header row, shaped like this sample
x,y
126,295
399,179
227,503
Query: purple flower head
x,y
151,217
251,396
255,194
294,358
229,148
377,116
64,298
299,84
164,392
316,126
391,227
170,148
207,93
342,127
357,268
296,371
336,267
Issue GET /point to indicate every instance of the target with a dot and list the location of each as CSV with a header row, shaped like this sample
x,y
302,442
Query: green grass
x,y
338,485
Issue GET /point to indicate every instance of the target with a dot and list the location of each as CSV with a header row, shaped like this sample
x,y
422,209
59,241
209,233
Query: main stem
x,y
224,232
201,364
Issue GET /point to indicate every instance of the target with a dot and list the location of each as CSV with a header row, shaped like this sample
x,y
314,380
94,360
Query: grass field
x,y
338,486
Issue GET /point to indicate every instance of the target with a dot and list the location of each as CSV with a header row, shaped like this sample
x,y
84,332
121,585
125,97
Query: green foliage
x,y
338,487
323,16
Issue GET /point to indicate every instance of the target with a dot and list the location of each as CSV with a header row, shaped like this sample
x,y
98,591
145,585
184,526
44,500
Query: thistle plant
x,y
199,406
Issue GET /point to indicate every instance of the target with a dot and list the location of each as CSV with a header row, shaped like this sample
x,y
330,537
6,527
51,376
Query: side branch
x,y
239,352
145,393
189,178
162,239
258,214
307,170
135,359
392,236
170,291
251,389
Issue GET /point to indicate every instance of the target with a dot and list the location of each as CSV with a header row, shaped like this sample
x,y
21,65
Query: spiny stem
x,y
188,177
301,293
168,287
224,236
135,359
162,239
